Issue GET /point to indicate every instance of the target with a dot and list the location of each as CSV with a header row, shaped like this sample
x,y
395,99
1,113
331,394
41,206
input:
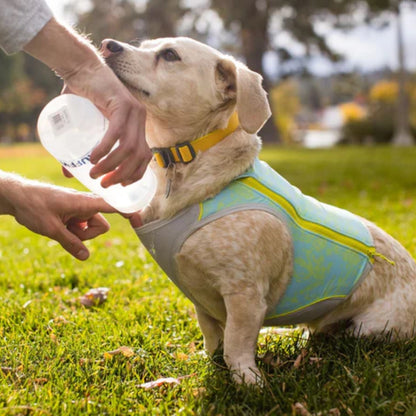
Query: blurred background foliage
x,y
367,107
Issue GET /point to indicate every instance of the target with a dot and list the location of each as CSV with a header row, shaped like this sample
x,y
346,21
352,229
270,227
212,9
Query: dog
x,y
246,266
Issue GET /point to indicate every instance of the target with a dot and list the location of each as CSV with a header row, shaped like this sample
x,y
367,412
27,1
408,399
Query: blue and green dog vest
x,y
332,248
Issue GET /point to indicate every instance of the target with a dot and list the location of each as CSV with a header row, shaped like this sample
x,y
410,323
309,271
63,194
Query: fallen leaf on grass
x,y
159,382
53,338
180,356
59,320
6,370
125,351
162,381
269,358
199,392
300,358
17,372
94,297
40,381
300,409
315,360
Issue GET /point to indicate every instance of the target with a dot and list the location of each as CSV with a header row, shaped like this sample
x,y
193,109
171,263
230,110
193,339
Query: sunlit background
x,y
336,72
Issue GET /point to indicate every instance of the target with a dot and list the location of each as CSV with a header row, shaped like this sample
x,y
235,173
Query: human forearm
x,y
10,188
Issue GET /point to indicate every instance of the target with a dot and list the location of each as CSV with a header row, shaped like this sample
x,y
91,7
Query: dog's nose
x,y
109,46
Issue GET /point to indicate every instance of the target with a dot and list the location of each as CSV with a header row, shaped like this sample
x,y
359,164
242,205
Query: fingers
x,y
86,225
86,230
127,118
128,161
71,243
128,169
136,175
111,136
136,220
67,173
87,205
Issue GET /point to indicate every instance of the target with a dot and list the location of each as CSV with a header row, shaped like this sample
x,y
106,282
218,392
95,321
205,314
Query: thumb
x,y
72,244
136,220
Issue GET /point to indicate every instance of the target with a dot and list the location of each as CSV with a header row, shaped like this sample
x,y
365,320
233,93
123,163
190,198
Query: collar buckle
x,y
164,156
185,152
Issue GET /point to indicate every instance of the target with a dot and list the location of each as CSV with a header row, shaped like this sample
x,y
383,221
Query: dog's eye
x,y
169,55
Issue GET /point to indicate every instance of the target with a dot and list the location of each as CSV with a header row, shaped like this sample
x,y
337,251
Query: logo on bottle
x,y
85,160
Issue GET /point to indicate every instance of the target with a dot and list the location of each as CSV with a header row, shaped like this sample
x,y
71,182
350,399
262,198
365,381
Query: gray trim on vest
x,y
164,238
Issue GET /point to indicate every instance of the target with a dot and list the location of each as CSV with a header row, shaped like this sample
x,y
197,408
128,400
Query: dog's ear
x,y
226,79
252,103
237,82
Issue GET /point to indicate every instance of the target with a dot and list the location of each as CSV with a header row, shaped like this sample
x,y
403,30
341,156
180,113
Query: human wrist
x,y
63,50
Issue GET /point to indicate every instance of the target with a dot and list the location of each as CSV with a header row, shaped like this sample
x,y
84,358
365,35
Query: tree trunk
x,y
402,135
254,39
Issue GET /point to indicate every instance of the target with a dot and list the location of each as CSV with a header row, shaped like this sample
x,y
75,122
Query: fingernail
x,y
82,254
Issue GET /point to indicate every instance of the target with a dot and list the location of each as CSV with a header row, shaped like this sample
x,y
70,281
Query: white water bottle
x,y
69,128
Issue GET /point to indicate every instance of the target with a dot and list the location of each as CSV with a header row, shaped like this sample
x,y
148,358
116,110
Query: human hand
x,y
86,74
65,215
128,161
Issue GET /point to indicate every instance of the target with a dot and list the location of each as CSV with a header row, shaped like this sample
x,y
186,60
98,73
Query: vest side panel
x,y
163,239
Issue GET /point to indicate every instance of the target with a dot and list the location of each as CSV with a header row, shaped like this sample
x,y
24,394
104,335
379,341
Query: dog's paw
x,y
248,376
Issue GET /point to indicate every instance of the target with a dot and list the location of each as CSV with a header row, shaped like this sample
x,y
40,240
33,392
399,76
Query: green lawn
x,y
54,352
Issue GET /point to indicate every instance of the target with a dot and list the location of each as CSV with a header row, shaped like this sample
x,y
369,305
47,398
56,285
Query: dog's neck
x,y
185,152
181,185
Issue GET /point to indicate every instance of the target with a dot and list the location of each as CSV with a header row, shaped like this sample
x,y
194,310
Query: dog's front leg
x,y
211,329
245,316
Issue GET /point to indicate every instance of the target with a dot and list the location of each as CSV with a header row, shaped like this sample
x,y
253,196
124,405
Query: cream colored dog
x,y
237,267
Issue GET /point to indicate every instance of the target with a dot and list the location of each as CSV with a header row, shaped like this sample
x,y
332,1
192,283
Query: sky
x,y
364,48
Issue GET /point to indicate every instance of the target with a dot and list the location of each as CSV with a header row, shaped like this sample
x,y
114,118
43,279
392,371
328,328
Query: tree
x,y
251,23
248,22
119,19
25,85
402,135
285,99
129,20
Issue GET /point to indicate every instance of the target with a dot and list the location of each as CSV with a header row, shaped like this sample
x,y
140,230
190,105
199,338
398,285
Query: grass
x,y
54,353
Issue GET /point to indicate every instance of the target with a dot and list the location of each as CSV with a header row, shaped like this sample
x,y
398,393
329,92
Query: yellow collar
x,y
186,152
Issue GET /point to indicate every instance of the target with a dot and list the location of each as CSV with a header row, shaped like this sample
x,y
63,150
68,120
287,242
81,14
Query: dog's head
x,y
181,81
